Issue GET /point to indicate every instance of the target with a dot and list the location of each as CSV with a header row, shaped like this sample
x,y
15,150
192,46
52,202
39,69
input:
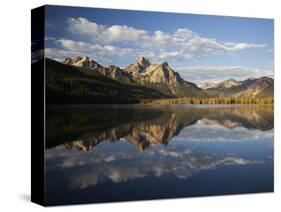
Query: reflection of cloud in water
x,y
111,163
211,131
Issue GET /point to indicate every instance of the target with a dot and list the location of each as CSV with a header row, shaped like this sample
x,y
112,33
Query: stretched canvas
x,y
138,105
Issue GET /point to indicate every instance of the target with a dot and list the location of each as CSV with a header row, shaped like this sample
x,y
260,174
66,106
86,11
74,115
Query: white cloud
x,y
178,45
60,54
171,55
70,48
91,48
217,74
114,33
239,46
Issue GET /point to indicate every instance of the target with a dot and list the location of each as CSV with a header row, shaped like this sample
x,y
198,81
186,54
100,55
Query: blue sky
x,y
240,47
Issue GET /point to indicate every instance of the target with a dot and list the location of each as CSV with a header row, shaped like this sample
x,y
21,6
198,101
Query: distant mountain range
x,y
224,84
83,80
250,88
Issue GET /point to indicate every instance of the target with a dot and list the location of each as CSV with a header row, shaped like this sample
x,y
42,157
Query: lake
x,y
137,152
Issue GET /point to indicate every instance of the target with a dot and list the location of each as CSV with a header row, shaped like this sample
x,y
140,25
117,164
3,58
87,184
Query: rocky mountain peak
x,y
226,84
113,72
262,83
229,83
207,85
67,61
141,65
142,61
84,62
165,64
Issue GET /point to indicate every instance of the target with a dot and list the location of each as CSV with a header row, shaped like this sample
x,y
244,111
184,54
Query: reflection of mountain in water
x,y
83,127
143,134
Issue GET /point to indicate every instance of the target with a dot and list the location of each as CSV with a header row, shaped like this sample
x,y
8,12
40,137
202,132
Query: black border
x,y
38,107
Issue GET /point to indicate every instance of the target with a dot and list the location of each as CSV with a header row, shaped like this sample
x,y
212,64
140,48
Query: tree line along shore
x,y
187,100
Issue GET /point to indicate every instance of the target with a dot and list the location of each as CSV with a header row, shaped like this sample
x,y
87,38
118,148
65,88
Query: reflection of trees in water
x,y
84,127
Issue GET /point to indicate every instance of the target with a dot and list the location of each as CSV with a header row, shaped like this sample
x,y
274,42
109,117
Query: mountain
x,y
142,65
112,72
250,88
207,85
228,84
83,80
160,77
146,73
258,88
68,84
84,62
221,85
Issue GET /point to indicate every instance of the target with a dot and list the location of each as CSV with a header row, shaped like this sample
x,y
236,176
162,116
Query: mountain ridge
x,y
66,84
83,80
250,88
157,76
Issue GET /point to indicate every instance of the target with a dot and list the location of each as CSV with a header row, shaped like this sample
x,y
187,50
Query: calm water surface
x,y
129,152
